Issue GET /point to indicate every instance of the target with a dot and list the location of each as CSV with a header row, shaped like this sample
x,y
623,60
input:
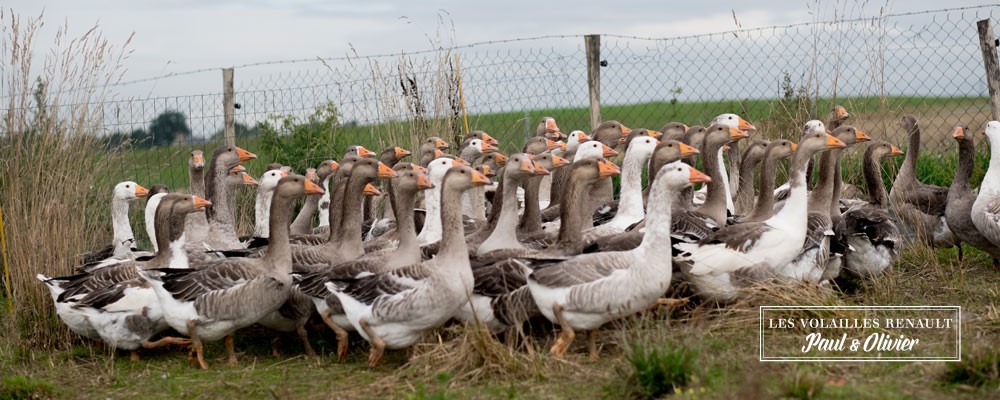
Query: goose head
x,y
326,168
129,191
780,149
476,148
293,186
818,140
879,150
674,130
695,136
270,179
238,176
197,160
959,133
642,147
440,166
594,149
850,135
228,156
495,161
155,190
549,161
481,135
814,126
671,150
992,132
370,169
538,145
839,114
360,151
733,121
548,125
678,175
721,134
608,132
185,203
433,142
392,155
521,165
412,181
462,178
575,138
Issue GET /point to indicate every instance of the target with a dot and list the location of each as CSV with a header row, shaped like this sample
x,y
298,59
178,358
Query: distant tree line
x,y
167,129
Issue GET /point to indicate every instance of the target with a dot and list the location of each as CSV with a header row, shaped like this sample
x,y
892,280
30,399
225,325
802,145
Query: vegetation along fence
x,y
927,63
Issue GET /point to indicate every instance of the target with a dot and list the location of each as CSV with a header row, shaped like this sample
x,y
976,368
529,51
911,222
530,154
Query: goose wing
x,y
579,270
189,284
929,199
368,288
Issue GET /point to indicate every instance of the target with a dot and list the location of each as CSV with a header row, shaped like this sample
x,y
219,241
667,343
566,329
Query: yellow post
x,y
461,94
6,266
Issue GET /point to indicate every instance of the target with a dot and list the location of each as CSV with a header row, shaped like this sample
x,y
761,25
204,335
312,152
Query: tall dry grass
x,y
53,204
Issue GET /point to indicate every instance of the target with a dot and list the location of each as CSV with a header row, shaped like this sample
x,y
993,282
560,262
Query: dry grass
x,y
51,161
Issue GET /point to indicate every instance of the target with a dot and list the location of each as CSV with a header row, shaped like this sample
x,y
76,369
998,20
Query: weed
x,y
654,370
23,387
980,368
805,386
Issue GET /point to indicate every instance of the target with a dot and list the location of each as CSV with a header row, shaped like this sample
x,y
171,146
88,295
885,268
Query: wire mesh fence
x,y
926,63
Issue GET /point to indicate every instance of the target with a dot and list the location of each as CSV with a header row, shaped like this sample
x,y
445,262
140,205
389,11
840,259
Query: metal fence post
x,y
229,106
593,45
987,43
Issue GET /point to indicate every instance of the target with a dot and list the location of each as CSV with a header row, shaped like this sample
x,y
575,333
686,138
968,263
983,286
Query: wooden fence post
x,y
229,106
593,45
987,43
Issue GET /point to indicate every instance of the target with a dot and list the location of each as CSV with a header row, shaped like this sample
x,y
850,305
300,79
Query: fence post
x,y
593,45
987,43
229,106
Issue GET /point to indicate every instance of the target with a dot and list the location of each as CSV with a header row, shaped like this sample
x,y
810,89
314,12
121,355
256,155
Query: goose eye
x,y
678,169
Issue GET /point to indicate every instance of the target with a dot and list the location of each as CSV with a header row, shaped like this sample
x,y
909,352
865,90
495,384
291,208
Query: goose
x,y
394,309
754,247
764,205
694,137
630,207
405,188
500,299
384,234
958,212
626,140
717,199
123,311
558,179
432,231
153,198
531,218
481,135
752,156
123,241
819,252
220,231
427,150
732,176
673,131
597,194
262,205
302,224
871,233
324,216
474,202
390,156
504,235
918,205
329,229
609,132
985,208
212,302
196,172
587,291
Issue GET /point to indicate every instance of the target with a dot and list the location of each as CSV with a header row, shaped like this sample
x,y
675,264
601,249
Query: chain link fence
x,y
928,64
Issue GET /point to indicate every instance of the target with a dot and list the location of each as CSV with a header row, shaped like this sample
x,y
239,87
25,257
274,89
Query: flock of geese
x,y
443,242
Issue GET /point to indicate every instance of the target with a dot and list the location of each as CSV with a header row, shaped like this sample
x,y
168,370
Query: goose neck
x,y
352,219
261,208
764,207
123,236
820,198
453,232
531,218
658,223
966,157
279,252
630,203
505,233
405,226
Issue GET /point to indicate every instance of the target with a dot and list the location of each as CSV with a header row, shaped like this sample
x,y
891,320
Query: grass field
x,y
460,363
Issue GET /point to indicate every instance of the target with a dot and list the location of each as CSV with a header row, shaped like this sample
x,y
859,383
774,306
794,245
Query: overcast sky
x,y
182,35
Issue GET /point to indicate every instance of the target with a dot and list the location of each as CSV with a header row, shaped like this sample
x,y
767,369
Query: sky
x,y
174,36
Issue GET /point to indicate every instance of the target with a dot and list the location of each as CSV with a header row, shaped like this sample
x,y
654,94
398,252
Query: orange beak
x,y
458,162
285,173
607,169
744,125
527,166
237,169
558,161
200,203
245,155
487,171
834,143
626,130
550,126
401,152
794,146
478,179
198,161
842,113
562,145
334,165
608,152
959,132
550,144
418,168
487,148
489,139
311,188
539,170
423,182
371,190
384,172
862,136
688,150
582,136
655,134
896,151
140,191
738,133
249,180
501,159
365,153
438,153
441,144
698,176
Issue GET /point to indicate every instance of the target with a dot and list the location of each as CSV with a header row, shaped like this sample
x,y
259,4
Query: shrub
x,y
976,369
658,370
22,387
803,386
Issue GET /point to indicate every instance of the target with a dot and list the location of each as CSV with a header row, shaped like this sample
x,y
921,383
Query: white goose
x,y
432,230
986,209
754,247
587,291
394,309
123,240
630,207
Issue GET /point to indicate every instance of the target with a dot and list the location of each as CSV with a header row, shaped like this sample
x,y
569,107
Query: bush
x,y
804,386
976,369
657,370
302,144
